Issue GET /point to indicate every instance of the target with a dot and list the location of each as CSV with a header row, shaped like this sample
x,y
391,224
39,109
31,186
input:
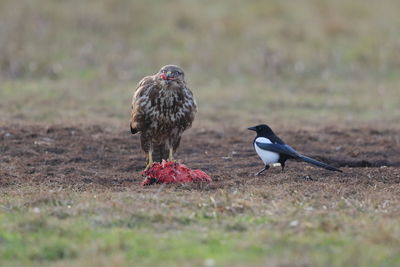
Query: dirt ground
x,y
90,157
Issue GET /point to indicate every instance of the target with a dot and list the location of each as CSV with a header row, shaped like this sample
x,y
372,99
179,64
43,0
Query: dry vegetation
x,y
323,73
330,60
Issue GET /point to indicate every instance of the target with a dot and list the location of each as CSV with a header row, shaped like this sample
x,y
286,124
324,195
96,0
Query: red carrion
x,y
172,172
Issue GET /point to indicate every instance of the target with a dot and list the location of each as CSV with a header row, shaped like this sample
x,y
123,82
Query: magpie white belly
x,y
267,157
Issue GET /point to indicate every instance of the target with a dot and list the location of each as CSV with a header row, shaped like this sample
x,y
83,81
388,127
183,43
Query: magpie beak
x,y
271,149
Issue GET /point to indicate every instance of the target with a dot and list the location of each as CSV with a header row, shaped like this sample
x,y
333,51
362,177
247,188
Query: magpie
x,y
271,149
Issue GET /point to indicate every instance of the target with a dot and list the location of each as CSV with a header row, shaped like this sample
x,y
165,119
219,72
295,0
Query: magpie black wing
x,y
279,148
288,150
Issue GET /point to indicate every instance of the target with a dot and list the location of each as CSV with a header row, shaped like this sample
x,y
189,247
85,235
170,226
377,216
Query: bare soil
x,y
90,157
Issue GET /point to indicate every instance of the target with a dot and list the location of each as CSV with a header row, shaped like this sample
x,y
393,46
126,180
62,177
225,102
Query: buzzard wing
x,y
139,102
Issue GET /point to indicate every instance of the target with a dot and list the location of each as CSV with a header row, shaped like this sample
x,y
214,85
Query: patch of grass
x,y
234,231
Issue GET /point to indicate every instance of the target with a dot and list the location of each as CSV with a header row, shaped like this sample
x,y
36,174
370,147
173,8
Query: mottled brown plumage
x,y
162,109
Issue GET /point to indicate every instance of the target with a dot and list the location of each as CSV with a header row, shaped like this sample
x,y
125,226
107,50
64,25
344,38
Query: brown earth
x,y
90,157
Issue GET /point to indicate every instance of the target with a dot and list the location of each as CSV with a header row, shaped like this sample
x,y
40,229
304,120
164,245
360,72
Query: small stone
x,y
294,223
209,262
36,210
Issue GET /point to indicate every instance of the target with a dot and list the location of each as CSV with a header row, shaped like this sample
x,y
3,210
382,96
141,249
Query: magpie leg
x,y
264,169
283,165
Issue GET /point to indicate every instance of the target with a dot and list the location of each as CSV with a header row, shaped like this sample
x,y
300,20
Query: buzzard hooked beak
x,y
166,77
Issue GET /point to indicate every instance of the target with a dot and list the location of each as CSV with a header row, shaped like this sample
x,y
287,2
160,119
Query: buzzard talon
x,y
149,160
171,154
162,109
148,166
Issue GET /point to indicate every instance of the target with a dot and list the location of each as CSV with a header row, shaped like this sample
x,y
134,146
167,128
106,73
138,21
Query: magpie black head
x,y
262,130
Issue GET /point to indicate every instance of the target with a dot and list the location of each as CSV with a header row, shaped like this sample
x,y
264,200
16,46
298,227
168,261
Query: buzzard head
x,y
171,76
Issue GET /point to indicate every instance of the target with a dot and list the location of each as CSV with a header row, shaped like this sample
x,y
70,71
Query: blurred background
x,y
246,61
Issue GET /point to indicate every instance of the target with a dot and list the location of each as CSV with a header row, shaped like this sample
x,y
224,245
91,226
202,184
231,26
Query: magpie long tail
x,y
318,163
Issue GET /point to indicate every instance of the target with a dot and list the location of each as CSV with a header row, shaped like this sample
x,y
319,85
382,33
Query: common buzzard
x,y
162,109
